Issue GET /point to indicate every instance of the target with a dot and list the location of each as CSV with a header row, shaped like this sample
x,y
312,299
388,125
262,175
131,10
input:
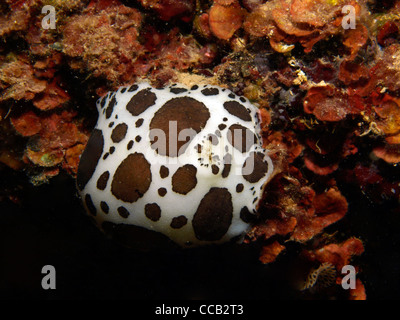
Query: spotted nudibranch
x,y
175,163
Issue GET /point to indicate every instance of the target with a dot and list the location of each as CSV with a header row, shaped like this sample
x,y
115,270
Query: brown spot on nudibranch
x,y
210,91
119,132
90,205
214,169
129,145
214,215
141,101
90,158
221,126
227,165
213,139
132,178
184,179
241,137
237,109
239,187
102,102
178,90
110,107
123,212
133,88
246,215
102,181
164,172
152,211
139,122
104,207
162,192
178,222
254,168
183,113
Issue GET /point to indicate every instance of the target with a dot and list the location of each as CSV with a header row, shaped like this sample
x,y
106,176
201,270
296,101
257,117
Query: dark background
x,y
49,227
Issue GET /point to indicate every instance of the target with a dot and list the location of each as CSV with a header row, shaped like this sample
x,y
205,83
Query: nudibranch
x,y
177,163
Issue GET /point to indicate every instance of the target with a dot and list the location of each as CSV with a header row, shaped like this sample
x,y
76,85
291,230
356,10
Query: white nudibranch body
x,y
177,164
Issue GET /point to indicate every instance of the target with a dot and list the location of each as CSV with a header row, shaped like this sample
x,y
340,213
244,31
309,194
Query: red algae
x,y
386,72
225,19
286,22
340,255
18,17
54,139
52,97
328,208
351,72
328,103
168,9
270,252
388,115
337,254
388,33
27,124
314,12
103,41
301,213
18,80
355,39
389,153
